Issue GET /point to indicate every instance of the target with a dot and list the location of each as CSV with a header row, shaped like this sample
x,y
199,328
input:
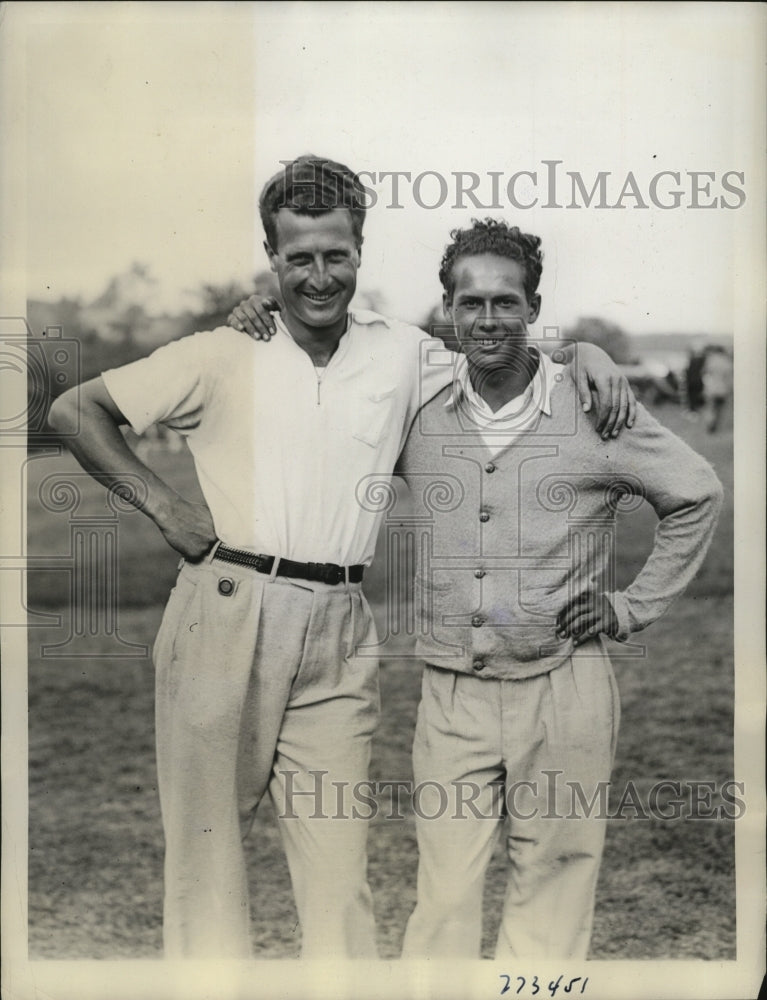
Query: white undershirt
x,y
501,428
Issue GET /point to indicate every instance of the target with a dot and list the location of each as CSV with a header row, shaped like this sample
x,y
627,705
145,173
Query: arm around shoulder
x,y
596,374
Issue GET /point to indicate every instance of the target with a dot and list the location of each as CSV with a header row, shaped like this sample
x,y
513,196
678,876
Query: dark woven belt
x,y
317,572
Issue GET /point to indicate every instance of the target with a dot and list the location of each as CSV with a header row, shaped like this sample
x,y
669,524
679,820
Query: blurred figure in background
x,y
717,384
694,380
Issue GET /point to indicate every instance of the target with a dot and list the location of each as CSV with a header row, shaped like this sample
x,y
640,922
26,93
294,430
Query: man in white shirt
x,y
259,682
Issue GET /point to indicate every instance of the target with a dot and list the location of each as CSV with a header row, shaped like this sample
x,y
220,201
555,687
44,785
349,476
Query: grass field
x,y
666,889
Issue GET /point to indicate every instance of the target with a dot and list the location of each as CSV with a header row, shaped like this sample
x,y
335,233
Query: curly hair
x,y
496,237
312,185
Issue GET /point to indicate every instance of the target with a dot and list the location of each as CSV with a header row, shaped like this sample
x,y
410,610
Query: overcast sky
x,y
152,127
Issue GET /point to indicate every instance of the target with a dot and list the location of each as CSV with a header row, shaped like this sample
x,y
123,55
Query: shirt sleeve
x,y
437,367
406,460
687,496
169,386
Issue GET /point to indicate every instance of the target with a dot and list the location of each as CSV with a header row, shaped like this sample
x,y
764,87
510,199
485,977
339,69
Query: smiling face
x,y
491,310
316,261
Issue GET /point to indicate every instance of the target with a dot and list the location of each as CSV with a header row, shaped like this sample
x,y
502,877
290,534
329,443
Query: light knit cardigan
x,y
504,542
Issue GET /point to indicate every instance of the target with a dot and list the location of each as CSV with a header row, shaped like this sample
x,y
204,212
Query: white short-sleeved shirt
x,y
289,468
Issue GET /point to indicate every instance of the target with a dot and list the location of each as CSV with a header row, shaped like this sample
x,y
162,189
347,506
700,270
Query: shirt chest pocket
x,y
373,416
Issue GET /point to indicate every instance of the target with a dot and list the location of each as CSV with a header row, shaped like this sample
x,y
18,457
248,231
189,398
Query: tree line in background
x,y
119,326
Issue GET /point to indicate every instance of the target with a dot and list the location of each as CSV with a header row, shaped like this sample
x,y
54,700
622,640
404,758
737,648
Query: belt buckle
x,y
313,572
263,564
324,573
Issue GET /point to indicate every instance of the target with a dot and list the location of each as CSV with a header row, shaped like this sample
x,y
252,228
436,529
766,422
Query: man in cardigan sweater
x,y
519,712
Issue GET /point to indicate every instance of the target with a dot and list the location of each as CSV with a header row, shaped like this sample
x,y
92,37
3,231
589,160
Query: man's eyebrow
x,y
484,295
291,255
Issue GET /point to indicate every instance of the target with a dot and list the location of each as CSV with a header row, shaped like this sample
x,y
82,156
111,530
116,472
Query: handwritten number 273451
x,y
535,987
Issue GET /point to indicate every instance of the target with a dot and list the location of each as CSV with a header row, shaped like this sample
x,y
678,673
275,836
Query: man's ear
x,y
535,308
271,255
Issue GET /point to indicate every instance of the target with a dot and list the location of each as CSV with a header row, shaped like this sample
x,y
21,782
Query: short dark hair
x,y
312,185
496,237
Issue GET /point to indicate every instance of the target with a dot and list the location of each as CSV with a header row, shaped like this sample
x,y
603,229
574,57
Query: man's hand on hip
x,y
585,617
188,528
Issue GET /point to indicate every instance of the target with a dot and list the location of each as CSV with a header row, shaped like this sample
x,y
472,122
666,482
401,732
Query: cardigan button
x,y
484,516
478,621
491,467
478,664
225,586
479,573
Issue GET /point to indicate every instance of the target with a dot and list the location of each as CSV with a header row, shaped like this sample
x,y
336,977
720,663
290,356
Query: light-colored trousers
x,y
258,686
492,752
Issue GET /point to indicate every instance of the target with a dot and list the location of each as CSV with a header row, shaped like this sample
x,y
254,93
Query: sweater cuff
x,y
621,609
